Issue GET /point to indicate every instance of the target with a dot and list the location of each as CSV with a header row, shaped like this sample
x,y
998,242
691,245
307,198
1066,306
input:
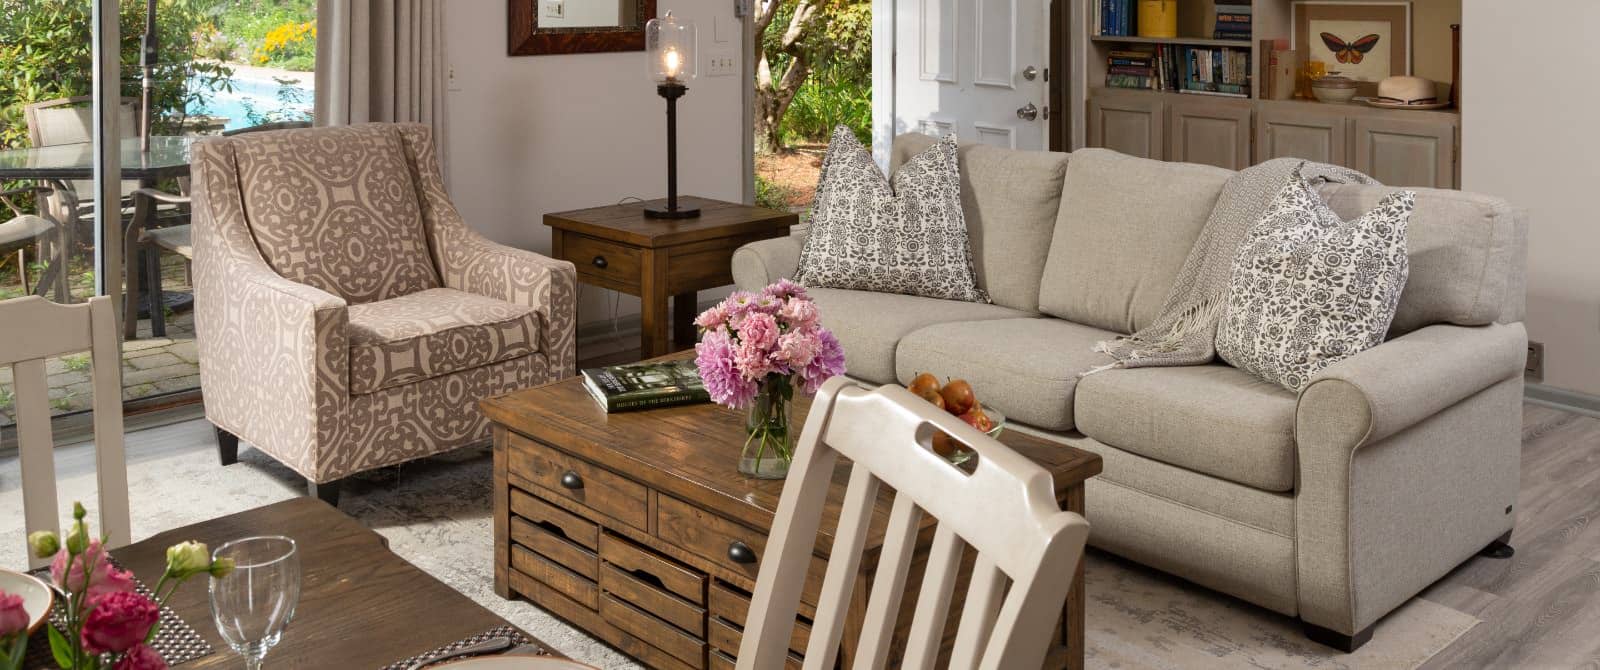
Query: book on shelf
x,y
619,388
1232,22
1221,71
1112,17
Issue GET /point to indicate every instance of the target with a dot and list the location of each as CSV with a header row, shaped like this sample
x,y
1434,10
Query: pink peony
x,y
13,619
104,579
828,363
712,319
714,356
754,362
784,289
798,347
118,621
759,332
798,313
141,657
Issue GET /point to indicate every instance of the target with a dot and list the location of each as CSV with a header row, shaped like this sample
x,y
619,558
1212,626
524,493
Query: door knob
x,y
1030,72
1028,112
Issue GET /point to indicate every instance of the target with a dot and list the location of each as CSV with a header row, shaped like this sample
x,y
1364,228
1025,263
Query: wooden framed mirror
x,y
541,27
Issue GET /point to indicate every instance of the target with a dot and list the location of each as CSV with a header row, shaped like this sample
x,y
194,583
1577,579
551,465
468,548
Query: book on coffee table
x,y
619,388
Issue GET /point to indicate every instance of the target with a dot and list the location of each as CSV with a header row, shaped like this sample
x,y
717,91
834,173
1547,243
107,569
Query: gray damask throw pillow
x,y
1309,290
908,236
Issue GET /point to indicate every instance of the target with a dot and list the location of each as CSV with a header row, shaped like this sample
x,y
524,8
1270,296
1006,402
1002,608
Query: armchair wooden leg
x,y
227,447
1337,640
327,492
1499,548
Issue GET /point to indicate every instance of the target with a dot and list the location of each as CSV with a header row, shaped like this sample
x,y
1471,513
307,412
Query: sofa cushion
x,y
336,209
870,325
1125,228
1026,368
1468,255
435,332
1010,199
1214,419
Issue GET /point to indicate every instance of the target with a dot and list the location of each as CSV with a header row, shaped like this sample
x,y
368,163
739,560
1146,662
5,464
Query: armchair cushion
x,y
336,208
434,332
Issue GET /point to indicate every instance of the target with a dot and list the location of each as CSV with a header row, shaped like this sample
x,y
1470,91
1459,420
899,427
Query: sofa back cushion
x,y
336,209
1468,255
1125,227
1010,199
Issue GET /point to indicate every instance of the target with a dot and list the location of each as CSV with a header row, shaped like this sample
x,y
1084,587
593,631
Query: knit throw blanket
x,y
1186,331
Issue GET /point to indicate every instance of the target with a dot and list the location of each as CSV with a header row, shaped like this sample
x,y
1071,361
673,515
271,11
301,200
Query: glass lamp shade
x,y
669,46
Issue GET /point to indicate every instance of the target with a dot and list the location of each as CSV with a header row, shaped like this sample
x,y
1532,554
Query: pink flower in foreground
x,y
828,363
712,319
141,657
784,289
798,347
714,357
104,578
759,332
13,619
754,362
799,313
118,621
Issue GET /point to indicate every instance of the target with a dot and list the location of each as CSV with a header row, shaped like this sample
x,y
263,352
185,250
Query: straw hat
x,y
1406,93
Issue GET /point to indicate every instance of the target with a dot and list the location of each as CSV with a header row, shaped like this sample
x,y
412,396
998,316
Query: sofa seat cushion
x,y
869,325
1026,368
1214,419
434,332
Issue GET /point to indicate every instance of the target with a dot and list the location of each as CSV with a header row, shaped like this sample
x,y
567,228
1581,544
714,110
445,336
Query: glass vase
x,y
770,446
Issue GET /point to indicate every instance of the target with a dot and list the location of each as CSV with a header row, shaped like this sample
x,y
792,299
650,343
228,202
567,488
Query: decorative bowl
x,y
37,596
962,454
1334,88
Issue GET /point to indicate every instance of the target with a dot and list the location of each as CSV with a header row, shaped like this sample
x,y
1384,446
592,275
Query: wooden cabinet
x,y
1297,133
1396,147
1130,125
1211,132
1406,152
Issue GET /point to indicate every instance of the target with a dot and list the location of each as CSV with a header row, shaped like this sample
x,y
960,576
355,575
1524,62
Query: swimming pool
x,y
266,97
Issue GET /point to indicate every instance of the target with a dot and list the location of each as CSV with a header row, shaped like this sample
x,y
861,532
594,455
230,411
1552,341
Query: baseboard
x,y
1558,398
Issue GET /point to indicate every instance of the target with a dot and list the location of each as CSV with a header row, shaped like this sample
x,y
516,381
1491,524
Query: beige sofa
x,y
1334,506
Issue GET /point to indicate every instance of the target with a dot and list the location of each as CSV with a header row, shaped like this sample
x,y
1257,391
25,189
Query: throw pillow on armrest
x,y
905,236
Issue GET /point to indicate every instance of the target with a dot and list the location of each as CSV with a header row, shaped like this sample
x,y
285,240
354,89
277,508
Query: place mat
x,y
517,637
177,642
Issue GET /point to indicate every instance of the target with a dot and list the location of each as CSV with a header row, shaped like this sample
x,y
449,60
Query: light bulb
x,y
671,62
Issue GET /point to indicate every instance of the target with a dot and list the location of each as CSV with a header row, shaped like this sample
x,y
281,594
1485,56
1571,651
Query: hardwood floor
x,y
1540,608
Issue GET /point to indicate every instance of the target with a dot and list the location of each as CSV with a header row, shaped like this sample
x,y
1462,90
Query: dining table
x,y
58,165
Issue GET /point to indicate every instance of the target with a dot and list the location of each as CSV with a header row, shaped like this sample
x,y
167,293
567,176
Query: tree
x,y
799,37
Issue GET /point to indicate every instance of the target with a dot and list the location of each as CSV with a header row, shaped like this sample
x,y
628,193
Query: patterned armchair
x,y
347,318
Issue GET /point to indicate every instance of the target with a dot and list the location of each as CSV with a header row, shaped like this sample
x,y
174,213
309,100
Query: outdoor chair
x,y
24,230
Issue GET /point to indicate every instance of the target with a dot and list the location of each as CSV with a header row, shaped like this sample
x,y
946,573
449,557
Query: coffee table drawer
x,y
679,580
556,520
658,633
551,574
732,545
648,593
566,476
596,259
725,641
733,607
555,547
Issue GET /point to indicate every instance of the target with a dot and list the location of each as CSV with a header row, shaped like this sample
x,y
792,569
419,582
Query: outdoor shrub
x,y
289,44
770,195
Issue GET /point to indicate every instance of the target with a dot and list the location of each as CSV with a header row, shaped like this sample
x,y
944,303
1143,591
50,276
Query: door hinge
x,y
1046,111
741,8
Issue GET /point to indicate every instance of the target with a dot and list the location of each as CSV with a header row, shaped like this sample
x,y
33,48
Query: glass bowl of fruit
x,y
957,397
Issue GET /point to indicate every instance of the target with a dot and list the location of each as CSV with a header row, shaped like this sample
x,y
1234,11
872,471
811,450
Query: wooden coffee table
x,y
638,528
361,606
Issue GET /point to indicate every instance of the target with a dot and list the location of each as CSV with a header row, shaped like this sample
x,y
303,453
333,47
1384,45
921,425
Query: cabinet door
x,y
1131,125
1406,152
1295,133
1209,132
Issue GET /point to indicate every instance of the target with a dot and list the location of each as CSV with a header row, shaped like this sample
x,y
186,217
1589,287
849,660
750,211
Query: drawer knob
x,y
571,480
739,552
600,262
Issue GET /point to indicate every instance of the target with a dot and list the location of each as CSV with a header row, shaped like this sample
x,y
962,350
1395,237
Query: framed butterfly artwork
x,y
1365,41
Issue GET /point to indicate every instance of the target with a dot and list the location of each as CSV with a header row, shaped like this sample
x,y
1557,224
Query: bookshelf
x,y
1113,39
1196,27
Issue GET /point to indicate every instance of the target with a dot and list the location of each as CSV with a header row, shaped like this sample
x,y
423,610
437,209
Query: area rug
x,y
436,514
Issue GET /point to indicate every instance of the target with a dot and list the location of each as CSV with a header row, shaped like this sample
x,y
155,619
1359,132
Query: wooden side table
x,y
616,247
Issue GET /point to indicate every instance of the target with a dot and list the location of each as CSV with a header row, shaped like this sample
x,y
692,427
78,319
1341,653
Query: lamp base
x,y
662,212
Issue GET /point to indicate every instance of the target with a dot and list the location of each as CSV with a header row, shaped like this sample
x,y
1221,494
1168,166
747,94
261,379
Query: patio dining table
x,y
57,165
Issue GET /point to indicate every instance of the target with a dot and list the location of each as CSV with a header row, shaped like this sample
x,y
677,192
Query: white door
x,y
972,67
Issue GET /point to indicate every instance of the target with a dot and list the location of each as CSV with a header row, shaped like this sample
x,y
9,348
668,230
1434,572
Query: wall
x,y
536,134
1528,135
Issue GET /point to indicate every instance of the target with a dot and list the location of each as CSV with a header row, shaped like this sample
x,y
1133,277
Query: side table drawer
x,y
563,475
609,262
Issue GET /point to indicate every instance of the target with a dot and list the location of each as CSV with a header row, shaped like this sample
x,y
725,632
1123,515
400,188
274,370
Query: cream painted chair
x,y
1005,509
33,329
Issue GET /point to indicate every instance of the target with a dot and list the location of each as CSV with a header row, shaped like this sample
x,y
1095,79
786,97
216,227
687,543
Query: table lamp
x,y
669,44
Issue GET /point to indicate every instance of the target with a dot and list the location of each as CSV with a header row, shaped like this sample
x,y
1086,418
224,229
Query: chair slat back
x,y
71,121
33,329
1005,509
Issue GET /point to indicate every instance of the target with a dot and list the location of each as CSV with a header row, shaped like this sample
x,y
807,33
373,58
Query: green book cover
x,y
619,388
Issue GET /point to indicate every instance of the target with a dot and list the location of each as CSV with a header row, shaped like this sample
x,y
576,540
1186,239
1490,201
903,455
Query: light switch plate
x,y
721,63
722,29
555,9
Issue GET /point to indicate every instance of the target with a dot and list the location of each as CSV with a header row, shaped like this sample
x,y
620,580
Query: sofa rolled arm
x,y
1397,384
758,264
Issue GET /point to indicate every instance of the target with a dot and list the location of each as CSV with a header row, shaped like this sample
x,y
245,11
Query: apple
x,y
923,383
958,396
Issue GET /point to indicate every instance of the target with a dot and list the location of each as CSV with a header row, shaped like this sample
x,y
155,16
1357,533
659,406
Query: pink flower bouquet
x,y
756,348
13,631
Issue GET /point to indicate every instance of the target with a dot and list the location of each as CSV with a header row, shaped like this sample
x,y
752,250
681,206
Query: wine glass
x,y
254,603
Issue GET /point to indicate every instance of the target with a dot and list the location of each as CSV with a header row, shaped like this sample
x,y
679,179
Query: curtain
x,y
381,60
